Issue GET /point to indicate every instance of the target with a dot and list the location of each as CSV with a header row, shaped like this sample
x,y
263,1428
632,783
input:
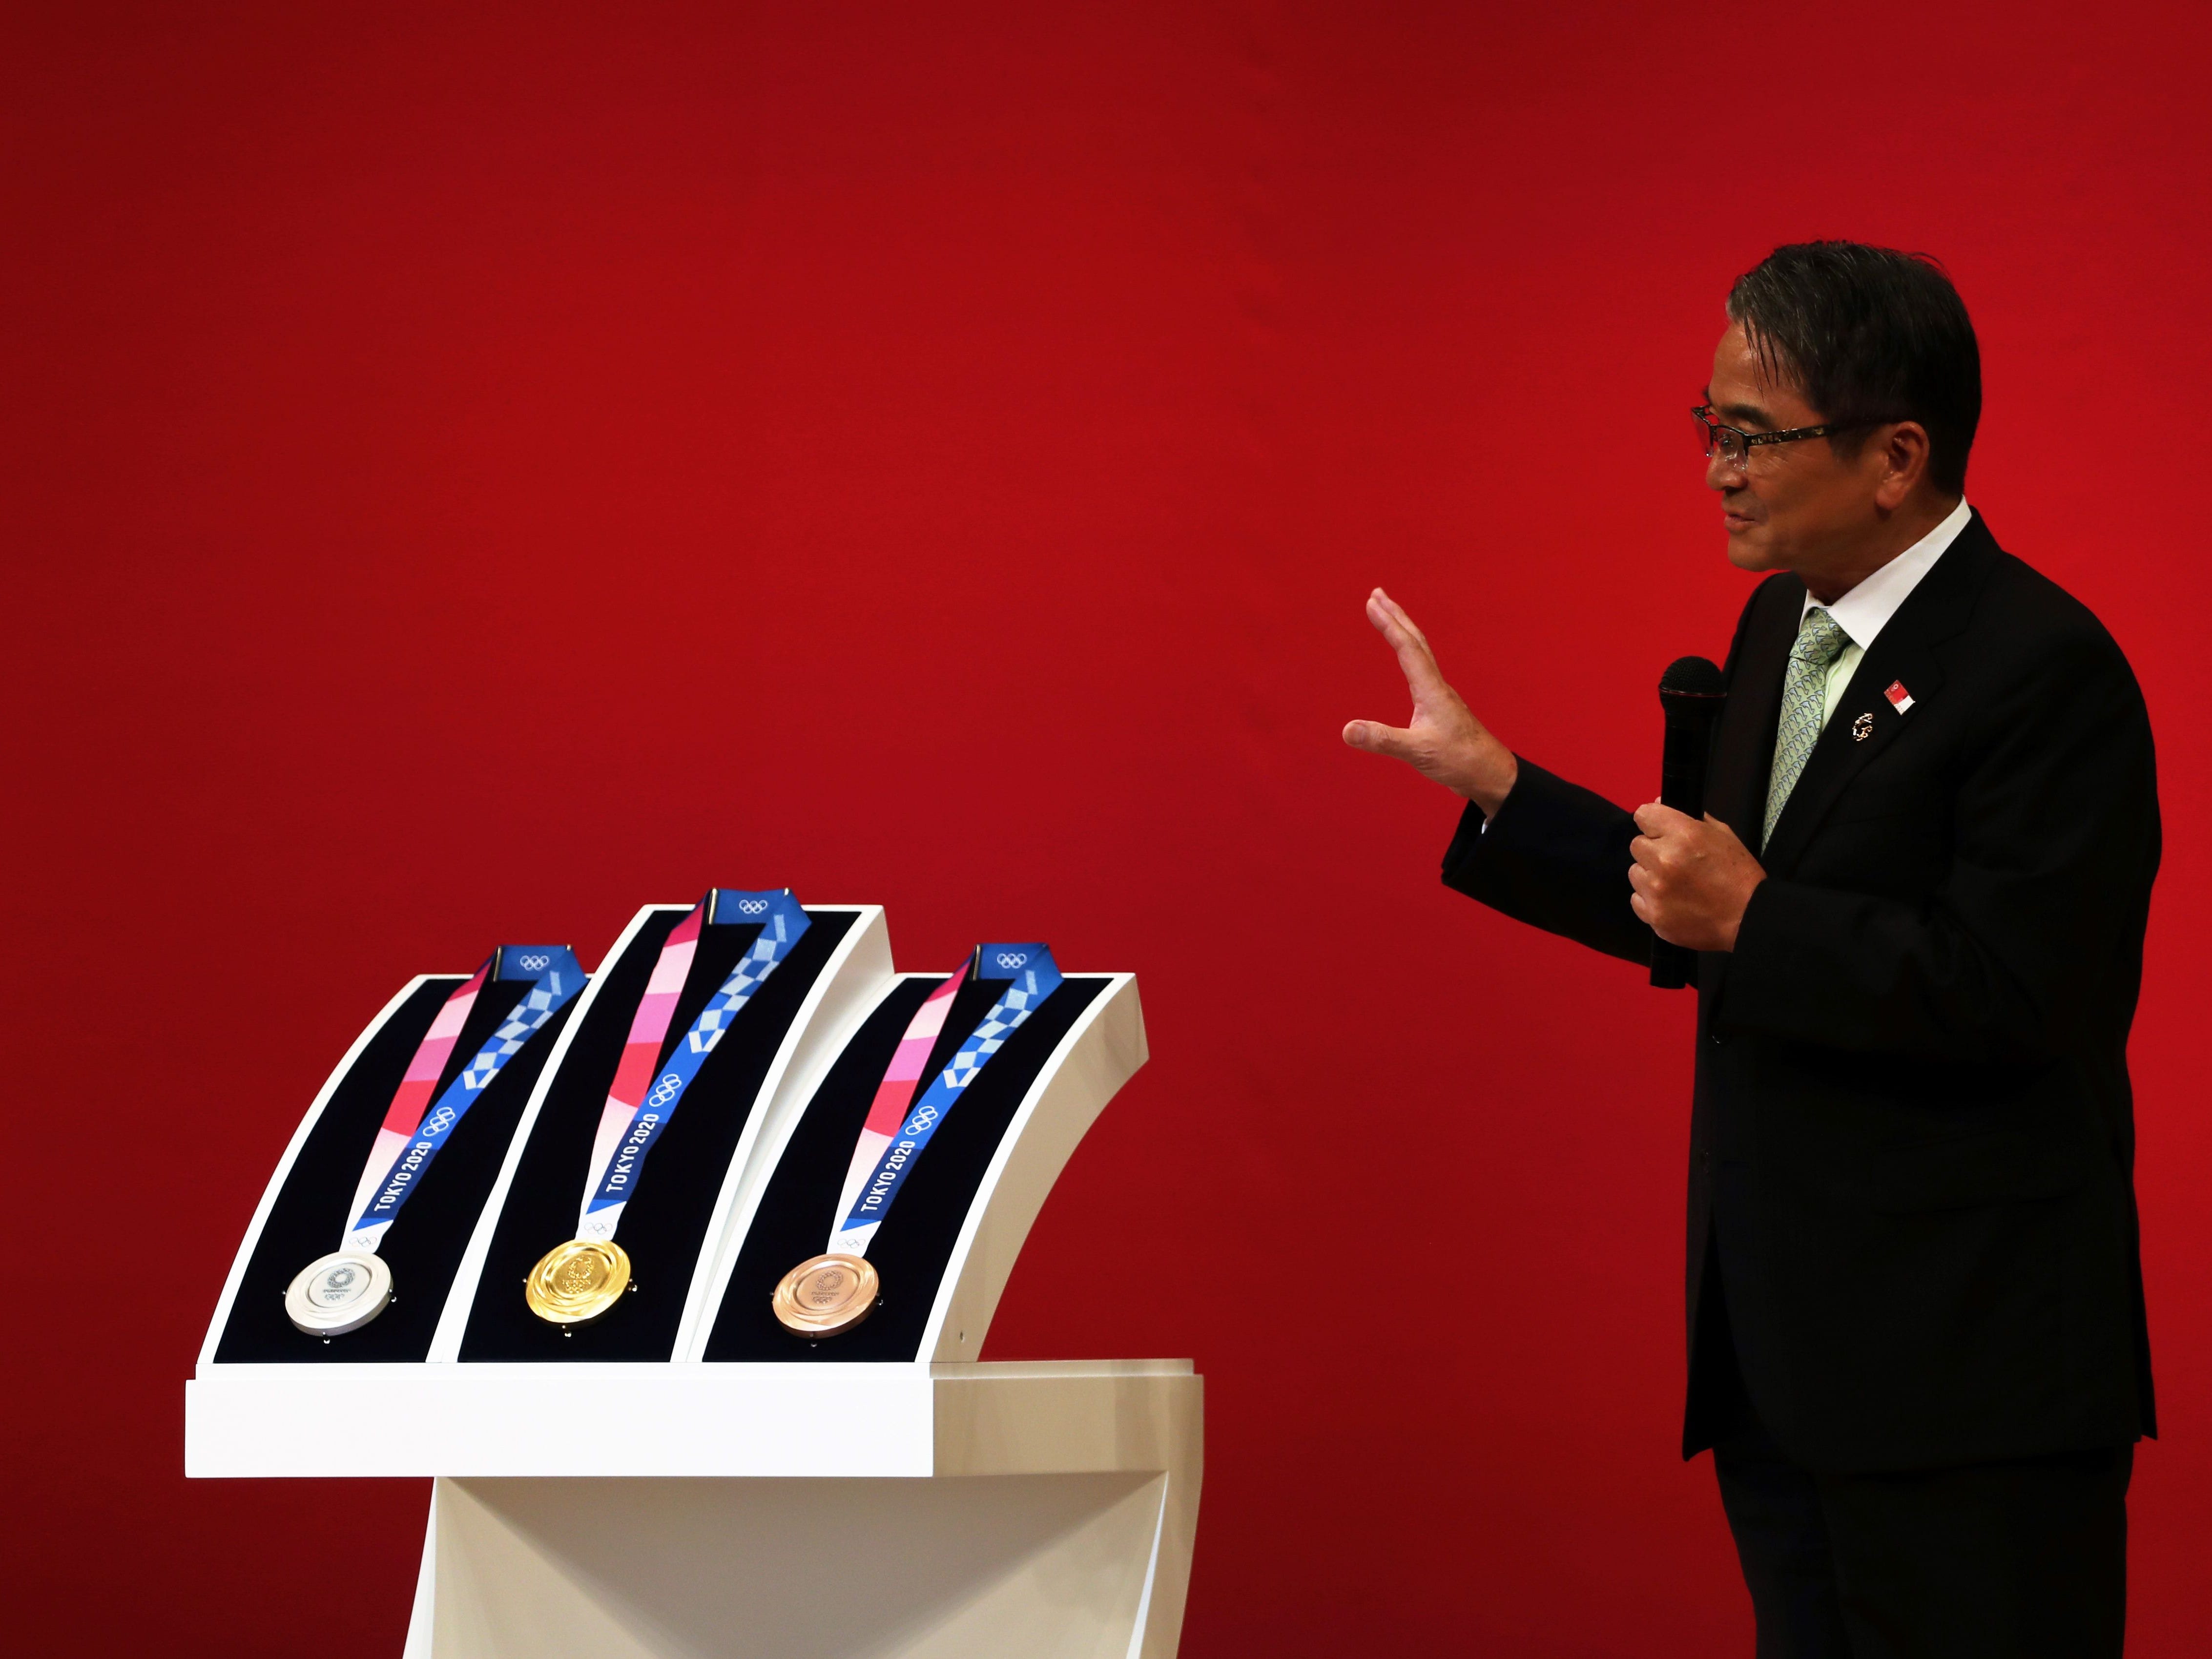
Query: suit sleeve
x,y
2035,930
1555,856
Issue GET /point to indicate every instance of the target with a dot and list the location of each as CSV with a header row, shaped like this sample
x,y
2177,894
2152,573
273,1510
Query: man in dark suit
x,y
1916,1338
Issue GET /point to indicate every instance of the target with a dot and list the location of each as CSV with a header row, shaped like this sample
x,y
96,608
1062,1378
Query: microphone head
x,y
1692,676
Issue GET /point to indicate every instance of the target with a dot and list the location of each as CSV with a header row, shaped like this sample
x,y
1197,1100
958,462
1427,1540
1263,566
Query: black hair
x,y
1869,335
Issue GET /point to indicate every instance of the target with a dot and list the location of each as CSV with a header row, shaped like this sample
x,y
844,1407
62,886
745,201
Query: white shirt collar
x,y
1866,610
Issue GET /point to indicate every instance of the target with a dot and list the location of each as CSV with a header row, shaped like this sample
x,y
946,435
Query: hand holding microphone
x,y
1693,879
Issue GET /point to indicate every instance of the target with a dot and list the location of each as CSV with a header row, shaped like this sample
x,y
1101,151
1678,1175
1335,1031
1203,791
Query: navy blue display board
x,y
663,1227
425,1245
913,1245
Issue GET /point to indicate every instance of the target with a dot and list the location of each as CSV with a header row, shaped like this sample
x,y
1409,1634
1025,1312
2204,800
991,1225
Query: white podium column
x,y
1058,1519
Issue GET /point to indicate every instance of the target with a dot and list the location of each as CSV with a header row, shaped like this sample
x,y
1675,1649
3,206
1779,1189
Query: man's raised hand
x,y
1443,740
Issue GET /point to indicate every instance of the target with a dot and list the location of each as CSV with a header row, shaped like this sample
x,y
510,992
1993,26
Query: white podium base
x,y
949,1569
1030,1508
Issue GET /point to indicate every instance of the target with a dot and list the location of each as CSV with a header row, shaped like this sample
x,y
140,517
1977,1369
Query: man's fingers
x,y
1655,820
1377,739
1415,660
1393,612
1405,621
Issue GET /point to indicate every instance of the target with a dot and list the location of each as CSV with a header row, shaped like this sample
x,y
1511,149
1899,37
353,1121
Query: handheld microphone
x,y
1691,693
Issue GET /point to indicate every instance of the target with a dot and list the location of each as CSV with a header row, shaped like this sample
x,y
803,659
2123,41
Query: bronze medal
x,y
573,1284
825,1295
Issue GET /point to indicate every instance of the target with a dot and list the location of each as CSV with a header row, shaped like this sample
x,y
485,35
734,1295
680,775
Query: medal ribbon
x,y
645,1094
414,1130
898,1125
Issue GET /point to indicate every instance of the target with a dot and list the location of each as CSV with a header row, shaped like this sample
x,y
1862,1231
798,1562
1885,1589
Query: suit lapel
x,y
1865,724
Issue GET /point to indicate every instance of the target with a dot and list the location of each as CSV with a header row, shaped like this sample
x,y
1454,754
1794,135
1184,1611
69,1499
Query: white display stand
x,y
608,1511
928,1506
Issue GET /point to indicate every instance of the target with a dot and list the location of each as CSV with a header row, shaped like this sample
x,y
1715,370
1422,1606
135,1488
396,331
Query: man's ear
x,y
1904,452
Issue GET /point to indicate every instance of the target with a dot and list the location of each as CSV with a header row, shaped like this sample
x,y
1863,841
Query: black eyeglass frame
x,y
1703,413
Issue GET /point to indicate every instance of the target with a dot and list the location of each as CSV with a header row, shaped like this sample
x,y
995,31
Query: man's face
x,y
1795,506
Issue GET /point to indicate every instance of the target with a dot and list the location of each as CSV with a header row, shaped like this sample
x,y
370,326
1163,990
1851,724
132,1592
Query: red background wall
x,y
465,476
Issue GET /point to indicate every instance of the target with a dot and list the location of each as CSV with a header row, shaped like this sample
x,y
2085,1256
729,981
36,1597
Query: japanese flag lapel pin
x,y
1899,698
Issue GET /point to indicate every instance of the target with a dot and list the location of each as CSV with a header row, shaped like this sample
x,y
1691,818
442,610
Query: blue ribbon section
x,y
1034,977
782,924
553,975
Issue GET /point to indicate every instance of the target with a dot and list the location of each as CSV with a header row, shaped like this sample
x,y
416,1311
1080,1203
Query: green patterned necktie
x,y
1804,699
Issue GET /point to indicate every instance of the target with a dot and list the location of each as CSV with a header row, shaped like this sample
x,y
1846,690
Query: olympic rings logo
x,y
1013,958
535,963
752,907
667,1089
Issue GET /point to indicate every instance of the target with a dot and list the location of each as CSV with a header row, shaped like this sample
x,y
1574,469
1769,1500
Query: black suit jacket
x,y
1912,1201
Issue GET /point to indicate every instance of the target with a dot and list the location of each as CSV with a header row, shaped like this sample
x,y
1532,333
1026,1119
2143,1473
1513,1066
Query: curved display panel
x,y
668,1221
919,1239
311,1204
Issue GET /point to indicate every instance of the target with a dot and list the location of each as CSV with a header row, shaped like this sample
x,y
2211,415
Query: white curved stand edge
x,y
1100,1052
284,1169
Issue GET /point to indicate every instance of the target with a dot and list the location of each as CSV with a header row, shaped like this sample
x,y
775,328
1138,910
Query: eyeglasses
x,y
1735,447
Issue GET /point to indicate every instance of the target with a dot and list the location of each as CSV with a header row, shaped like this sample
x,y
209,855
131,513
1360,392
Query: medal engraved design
x,y
338,1292
573,1284
825,1295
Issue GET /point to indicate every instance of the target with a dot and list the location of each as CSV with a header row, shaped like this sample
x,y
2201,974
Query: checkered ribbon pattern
x,y
645,1093
414,1128
899,1125
537,1006
1820,641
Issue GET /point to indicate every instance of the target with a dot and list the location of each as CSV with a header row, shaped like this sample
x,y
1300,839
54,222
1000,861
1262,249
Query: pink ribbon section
x,y
895,1094
412,1097
640,1054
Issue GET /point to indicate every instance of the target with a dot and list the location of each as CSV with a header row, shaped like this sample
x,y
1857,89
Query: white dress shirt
x,y
1866,610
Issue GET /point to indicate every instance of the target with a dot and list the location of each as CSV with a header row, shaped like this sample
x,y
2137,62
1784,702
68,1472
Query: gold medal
x,y
827,1294
573,1284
